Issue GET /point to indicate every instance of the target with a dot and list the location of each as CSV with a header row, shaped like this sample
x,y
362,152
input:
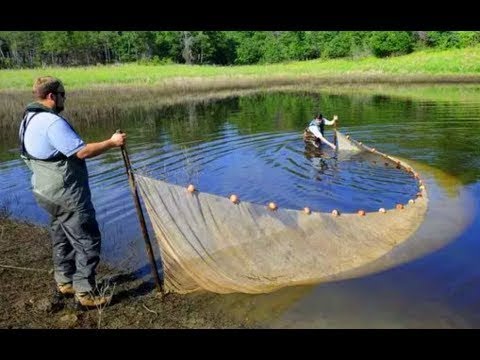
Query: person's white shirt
x,y
314,128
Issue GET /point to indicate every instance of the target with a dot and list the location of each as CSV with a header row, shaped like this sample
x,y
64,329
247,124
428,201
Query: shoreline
x,y
28,299
194,84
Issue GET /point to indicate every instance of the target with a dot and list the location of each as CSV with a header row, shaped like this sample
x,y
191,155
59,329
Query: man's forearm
x,y
94,149
327,142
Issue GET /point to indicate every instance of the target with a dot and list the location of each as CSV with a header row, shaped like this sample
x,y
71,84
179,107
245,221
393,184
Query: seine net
x,y
208,242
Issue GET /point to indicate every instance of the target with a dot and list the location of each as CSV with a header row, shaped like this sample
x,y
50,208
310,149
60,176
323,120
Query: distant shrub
x,y
468,38
387,43
443,39
155,60
6,63
453,39
338,46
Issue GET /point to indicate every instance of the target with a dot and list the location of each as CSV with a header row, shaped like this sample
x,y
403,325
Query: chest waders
x,y
322,127
60,186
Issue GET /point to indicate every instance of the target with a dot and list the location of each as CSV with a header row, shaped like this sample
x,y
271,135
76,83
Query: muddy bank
x,y
28,298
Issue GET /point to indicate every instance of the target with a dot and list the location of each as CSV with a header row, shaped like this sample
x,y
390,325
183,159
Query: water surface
x,y
252,146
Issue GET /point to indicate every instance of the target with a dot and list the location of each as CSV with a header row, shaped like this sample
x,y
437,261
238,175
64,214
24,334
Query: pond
x,y
252,146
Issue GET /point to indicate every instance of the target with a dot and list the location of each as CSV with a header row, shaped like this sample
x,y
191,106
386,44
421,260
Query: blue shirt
x,y
48,134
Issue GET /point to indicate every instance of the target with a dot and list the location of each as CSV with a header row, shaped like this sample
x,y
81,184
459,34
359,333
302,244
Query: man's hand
x,y
94,149
335,117
118,139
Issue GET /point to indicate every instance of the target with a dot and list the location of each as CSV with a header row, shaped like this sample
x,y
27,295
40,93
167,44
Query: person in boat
x,y
316,128
56,154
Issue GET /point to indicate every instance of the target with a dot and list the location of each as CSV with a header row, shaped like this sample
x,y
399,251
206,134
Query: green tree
x,y
250,47
168,45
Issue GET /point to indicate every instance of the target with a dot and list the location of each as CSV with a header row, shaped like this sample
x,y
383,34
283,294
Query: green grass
x,y
428,66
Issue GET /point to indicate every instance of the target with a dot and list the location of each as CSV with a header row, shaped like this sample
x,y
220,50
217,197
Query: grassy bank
x,y
455,65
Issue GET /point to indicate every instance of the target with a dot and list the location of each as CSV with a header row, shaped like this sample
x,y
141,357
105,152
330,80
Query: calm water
x,y
252,146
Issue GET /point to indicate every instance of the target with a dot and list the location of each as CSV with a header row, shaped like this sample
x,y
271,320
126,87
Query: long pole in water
x,y
335,141
141,218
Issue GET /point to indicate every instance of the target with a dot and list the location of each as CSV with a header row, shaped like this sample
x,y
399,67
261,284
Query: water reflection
x,y
318,157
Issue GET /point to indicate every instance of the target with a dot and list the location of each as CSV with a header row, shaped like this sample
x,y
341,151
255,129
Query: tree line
x,y
27,49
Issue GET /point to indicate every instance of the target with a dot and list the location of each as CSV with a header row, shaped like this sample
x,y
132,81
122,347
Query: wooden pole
x,y
335,142
141,218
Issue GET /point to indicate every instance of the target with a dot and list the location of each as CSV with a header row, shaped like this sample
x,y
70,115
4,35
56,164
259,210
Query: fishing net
x,y
209,242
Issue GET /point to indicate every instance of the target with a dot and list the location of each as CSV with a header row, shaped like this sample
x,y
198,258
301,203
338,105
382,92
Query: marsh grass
x,y
425,92
106,106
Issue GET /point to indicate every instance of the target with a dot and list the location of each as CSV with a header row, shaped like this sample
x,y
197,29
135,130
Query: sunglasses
x,y
61,93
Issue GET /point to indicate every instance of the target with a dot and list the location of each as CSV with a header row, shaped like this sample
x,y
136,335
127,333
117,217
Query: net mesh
x,y
207,242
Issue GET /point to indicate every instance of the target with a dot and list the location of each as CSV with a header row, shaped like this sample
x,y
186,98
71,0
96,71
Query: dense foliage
x,y
27,49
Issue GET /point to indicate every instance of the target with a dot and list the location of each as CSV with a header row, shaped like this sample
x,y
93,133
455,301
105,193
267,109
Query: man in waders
x,y
316,127
56,155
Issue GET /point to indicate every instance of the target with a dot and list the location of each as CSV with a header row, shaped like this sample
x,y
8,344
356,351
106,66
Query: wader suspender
x,y
24,151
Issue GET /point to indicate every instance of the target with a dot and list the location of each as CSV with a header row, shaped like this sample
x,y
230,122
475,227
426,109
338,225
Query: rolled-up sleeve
x,y
63,138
